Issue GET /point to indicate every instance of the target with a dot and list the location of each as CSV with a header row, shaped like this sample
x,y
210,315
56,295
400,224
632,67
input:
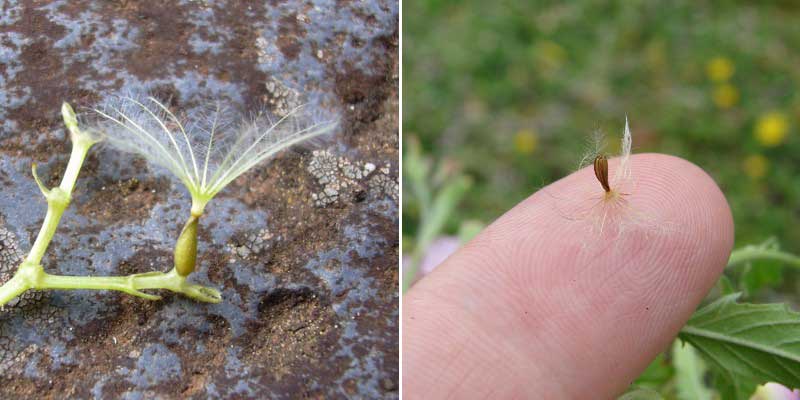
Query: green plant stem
x,y
132,284
31,274
15,286
432,223
58,200
752,253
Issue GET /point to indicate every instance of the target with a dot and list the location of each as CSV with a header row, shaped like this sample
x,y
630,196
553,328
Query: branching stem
x,y
31,275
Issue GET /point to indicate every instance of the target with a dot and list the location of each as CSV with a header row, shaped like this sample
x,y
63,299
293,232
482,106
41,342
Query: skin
x,y
541,304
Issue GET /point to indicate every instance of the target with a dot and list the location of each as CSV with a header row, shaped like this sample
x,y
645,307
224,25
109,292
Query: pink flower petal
x,y
775,391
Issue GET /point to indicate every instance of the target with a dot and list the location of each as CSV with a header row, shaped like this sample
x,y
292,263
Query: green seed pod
x,y
186,248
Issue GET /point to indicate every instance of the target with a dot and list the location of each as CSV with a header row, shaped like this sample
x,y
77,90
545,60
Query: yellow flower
x,y
550,55
719,69
725,95
525,141
771,129
755,166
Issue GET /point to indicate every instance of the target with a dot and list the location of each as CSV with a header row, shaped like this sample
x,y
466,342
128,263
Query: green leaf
x,y
759,275
443,205
725,285
658,373
445,202
416,170
641,394
747,343
689,372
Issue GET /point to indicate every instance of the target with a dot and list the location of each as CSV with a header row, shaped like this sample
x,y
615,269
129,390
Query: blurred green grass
x,y
509,91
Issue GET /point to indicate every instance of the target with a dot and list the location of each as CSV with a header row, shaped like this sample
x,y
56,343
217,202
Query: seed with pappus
x,y
206,149
210,147
607,208
601,171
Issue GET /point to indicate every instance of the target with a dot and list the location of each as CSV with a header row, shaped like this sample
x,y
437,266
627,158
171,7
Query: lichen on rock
x,y
341,178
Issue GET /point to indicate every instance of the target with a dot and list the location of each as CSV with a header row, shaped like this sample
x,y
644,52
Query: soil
x,y
310,302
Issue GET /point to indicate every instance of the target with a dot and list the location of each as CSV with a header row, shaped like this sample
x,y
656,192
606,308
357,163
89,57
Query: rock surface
x,y
309,277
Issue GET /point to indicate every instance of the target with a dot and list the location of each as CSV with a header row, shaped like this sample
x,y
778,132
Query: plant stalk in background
x,y
435,206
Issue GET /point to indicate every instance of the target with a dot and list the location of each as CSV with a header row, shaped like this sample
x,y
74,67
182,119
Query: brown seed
x,y
601,171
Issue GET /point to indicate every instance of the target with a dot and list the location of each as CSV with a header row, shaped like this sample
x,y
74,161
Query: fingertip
x,y
693,206
582,310
696,187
